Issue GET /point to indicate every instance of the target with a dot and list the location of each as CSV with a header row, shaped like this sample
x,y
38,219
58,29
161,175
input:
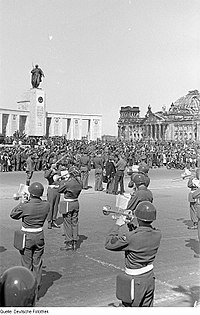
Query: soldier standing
x,y
53,195
33,214
71,188
135,287
119,176
193,184
98,165
85,167
29,168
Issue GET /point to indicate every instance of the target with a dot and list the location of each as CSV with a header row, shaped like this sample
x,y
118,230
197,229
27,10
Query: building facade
x,y
181,122
32,117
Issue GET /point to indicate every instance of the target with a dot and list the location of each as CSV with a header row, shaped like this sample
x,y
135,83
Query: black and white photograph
x,y
99,156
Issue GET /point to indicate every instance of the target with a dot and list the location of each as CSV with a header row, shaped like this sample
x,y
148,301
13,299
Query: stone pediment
x,y
153,118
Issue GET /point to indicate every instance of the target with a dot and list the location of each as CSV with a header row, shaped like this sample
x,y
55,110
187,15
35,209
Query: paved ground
x,y
87,277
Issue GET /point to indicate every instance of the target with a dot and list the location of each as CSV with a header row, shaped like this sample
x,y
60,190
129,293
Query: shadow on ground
x,y
48,278
193,244
193,293
81,239
2,249
188,223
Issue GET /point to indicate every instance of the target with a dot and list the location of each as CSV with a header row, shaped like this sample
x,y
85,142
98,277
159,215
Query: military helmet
x,y
143,169
132,183
145,211
139,179
74,171
17,287
36,189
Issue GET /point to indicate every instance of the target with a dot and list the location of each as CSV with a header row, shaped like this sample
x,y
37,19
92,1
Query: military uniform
x,y
71,189
196,197
29,170
98,165
53,198
140,247
193,213
119,176
84,166
141,194
33,215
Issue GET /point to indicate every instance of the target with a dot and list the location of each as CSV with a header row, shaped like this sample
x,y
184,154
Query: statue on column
x,y
36,77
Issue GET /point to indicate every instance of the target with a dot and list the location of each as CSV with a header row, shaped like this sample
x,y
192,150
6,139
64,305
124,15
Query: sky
x,y
100,55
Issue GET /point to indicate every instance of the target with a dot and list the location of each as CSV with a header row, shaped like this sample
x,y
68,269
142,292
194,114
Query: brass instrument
x,y
128,214
22,193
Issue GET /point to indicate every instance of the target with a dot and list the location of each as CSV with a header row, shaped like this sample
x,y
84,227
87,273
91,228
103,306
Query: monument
x,y
37,126
32,117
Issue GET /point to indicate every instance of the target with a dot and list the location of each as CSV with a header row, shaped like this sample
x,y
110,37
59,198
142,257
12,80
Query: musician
x,y
142,169
71,188
33,214
53,195
18,287
193,184
140,247
142,193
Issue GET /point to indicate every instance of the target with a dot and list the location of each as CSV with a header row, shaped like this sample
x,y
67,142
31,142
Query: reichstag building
x,y
180,122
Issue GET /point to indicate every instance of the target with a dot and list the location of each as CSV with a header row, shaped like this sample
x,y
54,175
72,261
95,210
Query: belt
x,y
32,230
140,271
53,186
69,200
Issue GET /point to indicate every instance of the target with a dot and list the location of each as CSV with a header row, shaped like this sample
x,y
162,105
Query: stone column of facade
x,y
69,128
158,131
151,128
8,127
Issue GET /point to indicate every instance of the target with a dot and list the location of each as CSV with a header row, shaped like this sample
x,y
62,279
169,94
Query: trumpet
x,y
22,193
107,210
25,197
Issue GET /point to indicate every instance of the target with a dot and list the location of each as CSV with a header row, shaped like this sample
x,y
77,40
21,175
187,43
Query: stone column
x,y
37,113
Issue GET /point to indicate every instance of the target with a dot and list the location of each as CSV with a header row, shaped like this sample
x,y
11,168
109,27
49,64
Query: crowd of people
x,y
66,165
157,154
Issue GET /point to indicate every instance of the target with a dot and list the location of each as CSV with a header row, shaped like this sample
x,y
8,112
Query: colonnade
x,y
154,131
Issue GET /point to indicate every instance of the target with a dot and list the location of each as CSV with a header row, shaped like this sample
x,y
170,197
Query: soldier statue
x,y
37,75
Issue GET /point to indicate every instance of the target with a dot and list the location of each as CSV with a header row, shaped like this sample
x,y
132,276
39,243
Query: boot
x,y
68,246
49,225
55,225
74,245
194,227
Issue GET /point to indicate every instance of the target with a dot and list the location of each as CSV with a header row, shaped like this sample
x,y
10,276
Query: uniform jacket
x,y
29,164
140,246
84,163
48,174
141,194
98,162
71,188
121,165
33,213
193,187
196,198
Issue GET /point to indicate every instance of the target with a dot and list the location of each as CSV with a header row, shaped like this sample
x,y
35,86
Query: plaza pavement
x,y
87,277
